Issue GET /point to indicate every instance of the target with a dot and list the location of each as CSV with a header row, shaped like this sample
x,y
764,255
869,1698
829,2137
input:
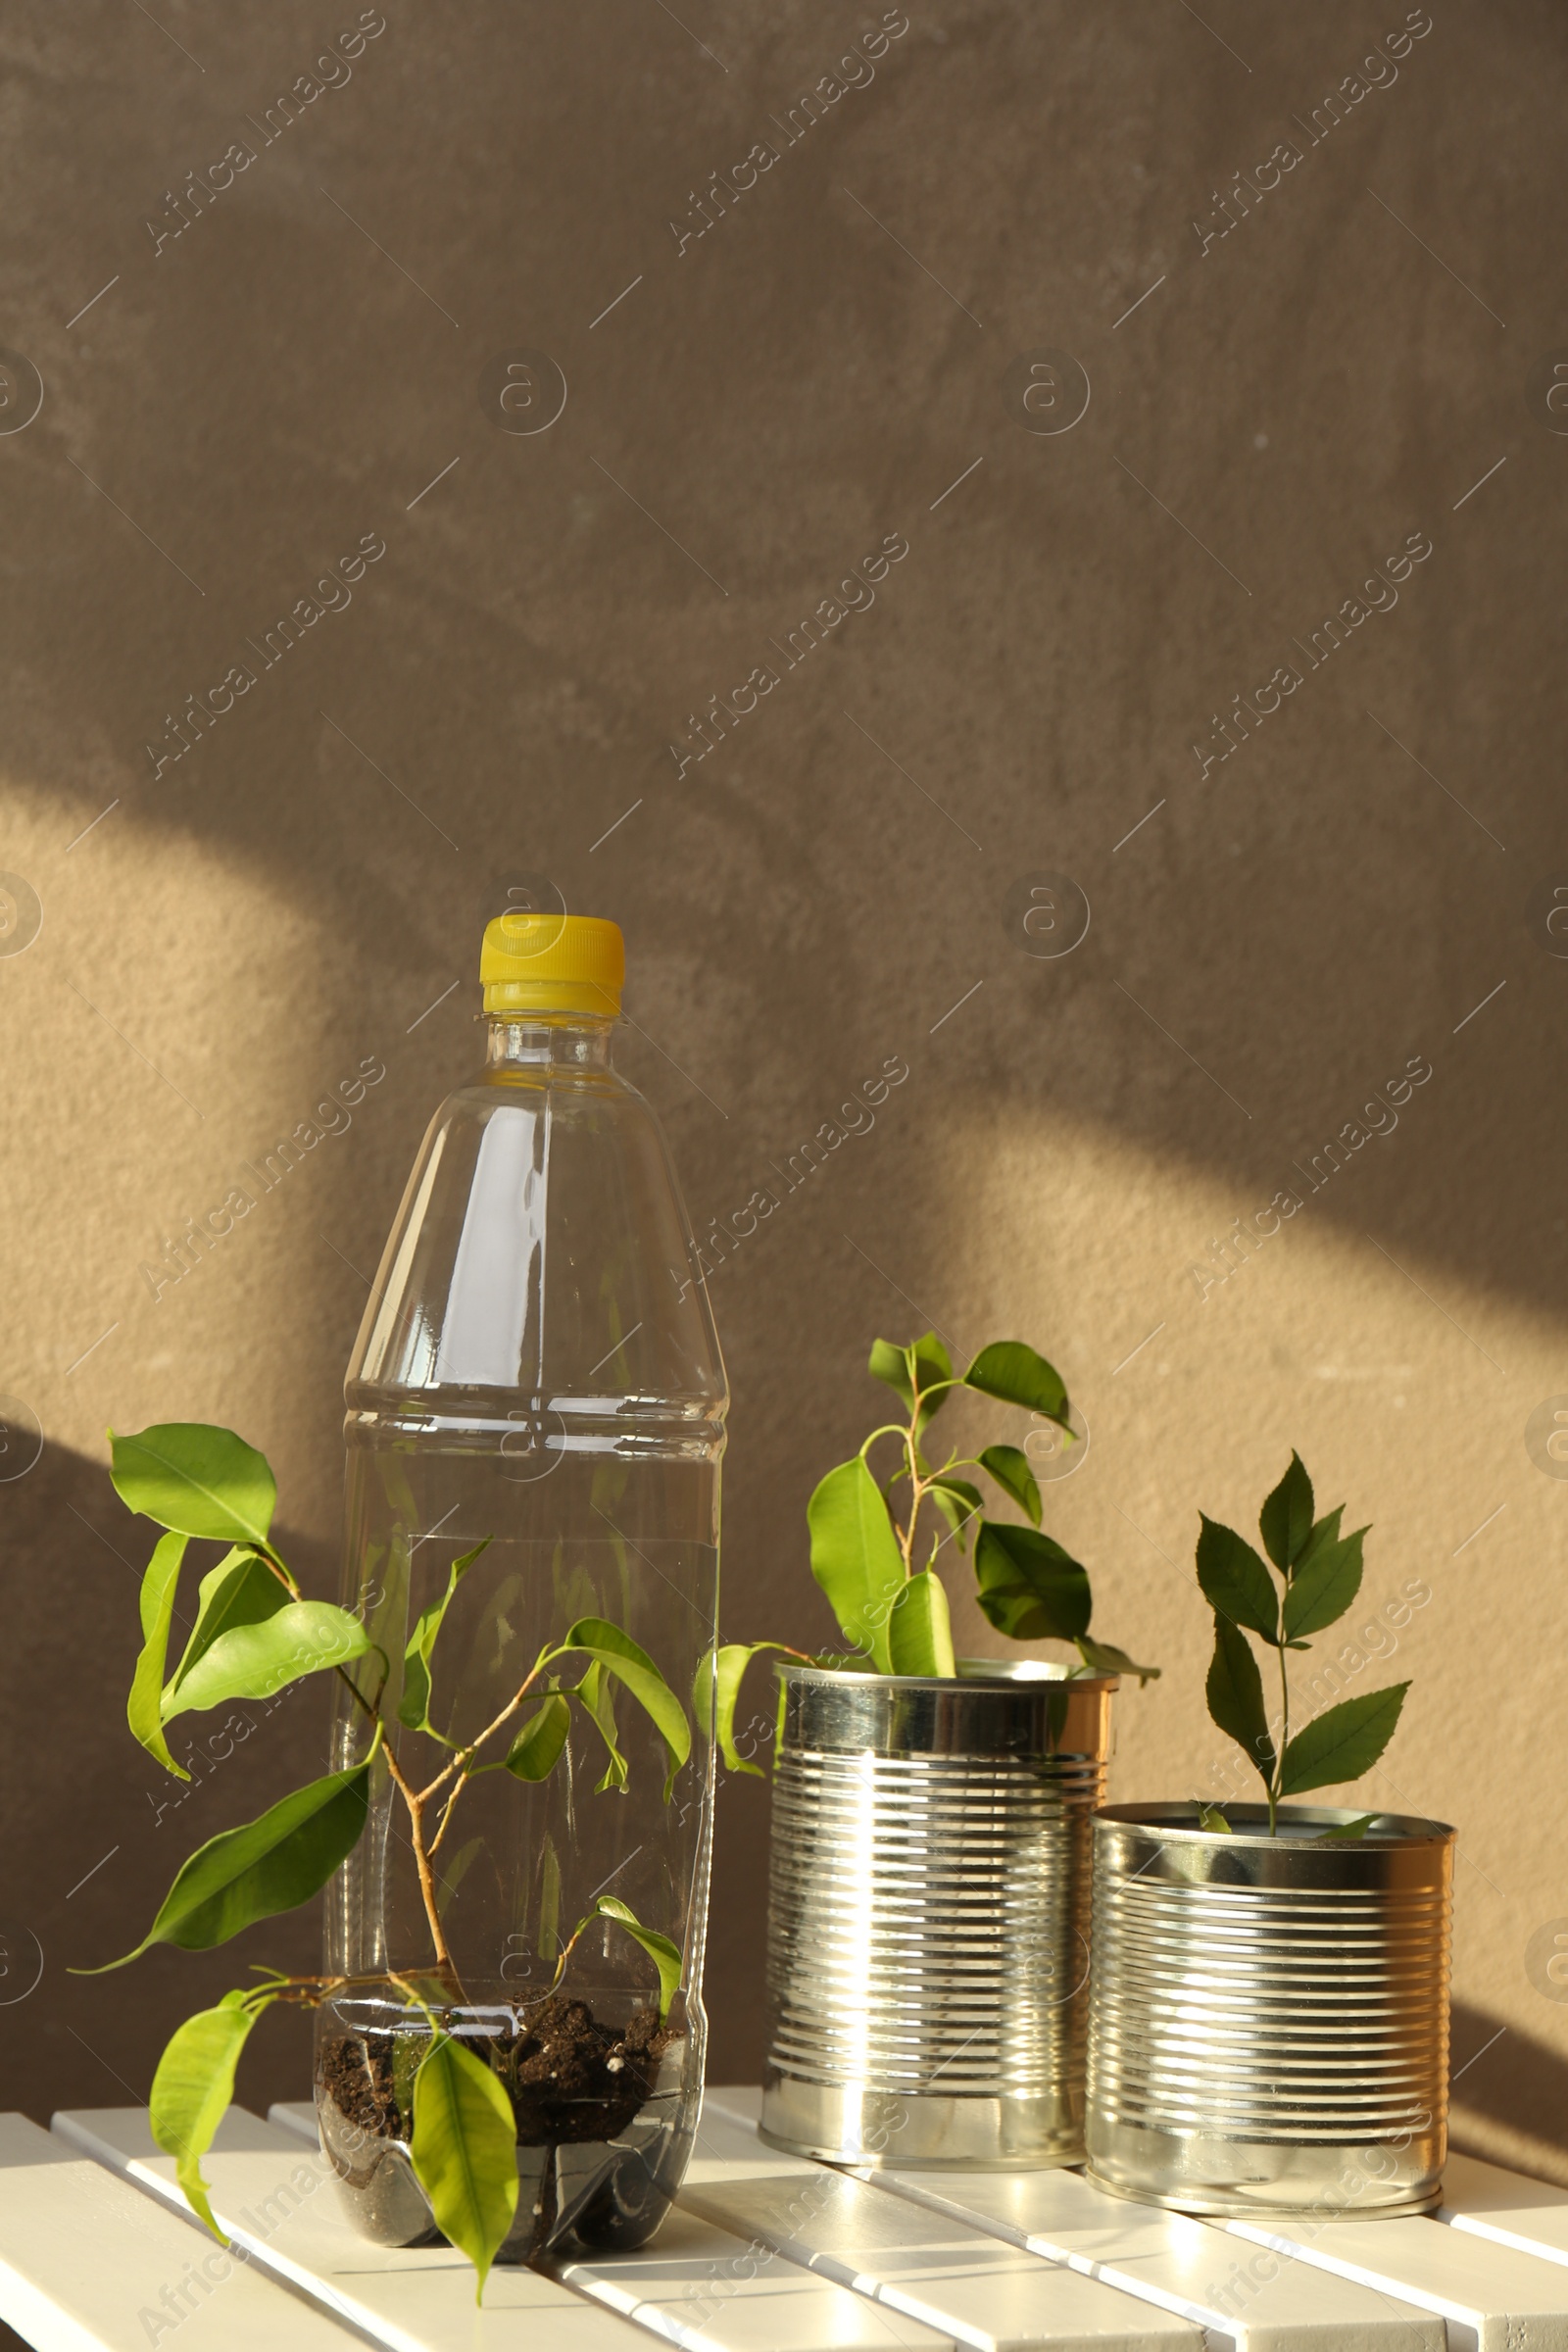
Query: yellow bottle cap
x,y
553,963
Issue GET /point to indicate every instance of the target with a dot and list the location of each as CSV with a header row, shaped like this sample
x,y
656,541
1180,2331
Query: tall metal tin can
x,y
1269,2016
928,1915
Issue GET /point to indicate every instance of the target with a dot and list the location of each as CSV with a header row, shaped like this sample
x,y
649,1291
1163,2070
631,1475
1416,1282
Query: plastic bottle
x,y
537,1368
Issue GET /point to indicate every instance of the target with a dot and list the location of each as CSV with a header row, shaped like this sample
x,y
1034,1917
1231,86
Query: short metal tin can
x,y
928,1916
1269,2016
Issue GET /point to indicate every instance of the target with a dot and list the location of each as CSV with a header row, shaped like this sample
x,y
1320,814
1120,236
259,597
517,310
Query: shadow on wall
x,y
1506,2076
93,1831
502,685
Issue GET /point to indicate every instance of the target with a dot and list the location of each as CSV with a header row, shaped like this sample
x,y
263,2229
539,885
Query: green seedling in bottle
x,y
254,1634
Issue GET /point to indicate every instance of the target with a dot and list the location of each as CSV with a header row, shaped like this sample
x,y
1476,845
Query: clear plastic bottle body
x,y
537,1370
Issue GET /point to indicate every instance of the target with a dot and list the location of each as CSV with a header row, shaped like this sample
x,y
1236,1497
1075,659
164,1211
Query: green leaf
x,y
536,1751
615,1652
665,1955
269,1865
1341,1743
1105,1659
915,1368
1327,1531
242,1589
1235,1581
1008,1465
160,1580
599,1700
1324,1585
855,1557
1211,1818
1354,1830
1012,1371
958,1502
1235,1692
194,2084
1324,1537
254,1661
716,1690
919,1631
1030,1589
715,1694
413,1707
890,1363
1284,1522
196,1480
464,2151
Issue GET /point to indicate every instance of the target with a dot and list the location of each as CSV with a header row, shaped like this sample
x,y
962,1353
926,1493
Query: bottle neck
x,y
556,1041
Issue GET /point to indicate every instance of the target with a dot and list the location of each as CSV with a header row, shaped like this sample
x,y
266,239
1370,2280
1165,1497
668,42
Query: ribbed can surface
x,y
1269,2016
928,1915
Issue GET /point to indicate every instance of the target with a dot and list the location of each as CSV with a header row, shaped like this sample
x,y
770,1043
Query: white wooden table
x,y
98,2253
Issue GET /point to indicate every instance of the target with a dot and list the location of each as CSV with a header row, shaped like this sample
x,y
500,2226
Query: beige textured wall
x,y
840,356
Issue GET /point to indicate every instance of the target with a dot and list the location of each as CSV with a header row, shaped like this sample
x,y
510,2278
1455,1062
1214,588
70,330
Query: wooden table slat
x,y
950,2284
941,2270
1486,2201
280,2202
297,2115
1493,2298
1260,2304
1179,2267
698,2285
763,2253
89,2264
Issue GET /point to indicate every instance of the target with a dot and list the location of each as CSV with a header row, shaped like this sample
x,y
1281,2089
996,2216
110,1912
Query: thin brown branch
x,y
566,1950
304,1992
264,1552
459,1761
446,1816
415,1802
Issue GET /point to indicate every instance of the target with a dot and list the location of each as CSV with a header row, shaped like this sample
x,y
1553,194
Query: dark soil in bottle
x,y
573,2079
356,2074
570,2080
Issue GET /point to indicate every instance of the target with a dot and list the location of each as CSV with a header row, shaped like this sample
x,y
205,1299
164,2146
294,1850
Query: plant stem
x,y
365,1705
416,1799
1278,1775
305,1992
920,1486
905,1535
279,1571
446,1816
414,1802
461,1759
565,1954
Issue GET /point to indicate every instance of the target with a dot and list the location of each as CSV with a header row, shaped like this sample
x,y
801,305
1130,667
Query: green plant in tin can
x,y
1311,1577
875,1538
